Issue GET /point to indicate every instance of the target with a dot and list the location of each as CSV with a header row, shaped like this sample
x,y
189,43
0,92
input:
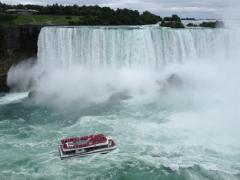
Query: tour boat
x,y
83,146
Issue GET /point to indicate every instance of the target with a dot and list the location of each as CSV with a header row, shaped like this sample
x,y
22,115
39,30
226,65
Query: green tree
x,y
149,18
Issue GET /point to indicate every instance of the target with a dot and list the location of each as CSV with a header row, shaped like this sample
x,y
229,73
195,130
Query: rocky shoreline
x,y
16,44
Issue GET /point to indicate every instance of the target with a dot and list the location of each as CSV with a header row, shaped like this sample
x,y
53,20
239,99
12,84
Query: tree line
x,y
92,15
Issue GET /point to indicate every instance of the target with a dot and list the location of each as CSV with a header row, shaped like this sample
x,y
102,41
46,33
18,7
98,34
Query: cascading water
x,y
169,98
128,46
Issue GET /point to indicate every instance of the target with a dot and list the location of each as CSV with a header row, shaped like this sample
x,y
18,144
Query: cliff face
x,y
16,44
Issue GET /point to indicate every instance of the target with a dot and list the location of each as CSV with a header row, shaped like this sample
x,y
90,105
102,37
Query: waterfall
x,y
129,46
93,62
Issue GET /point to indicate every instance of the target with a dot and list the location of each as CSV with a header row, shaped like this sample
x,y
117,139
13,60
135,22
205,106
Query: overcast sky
x,y
185,8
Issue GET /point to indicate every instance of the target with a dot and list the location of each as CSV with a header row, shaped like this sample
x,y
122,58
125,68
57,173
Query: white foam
x,y
13,97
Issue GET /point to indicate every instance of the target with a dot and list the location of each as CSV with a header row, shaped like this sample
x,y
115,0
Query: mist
x,y
21,76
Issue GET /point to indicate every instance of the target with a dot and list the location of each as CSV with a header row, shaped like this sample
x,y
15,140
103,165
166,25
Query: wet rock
x,y
123,95
174,81
16,44
32,94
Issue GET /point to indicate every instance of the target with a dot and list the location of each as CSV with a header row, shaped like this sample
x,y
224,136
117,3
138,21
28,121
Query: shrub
x,y
192,25
7,17
172,24
68,17
214,24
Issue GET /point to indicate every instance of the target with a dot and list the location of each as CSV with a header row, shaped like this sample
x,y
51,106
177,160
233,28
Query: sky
x,y
184,8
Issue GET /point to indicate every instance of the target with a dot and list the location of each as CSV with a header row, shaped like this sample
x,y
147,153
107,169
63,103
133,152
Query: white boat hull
x,y
83,154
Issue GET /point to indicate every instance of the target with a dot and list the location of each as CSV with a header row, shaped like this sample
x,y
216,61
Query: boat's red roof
x,y
84,141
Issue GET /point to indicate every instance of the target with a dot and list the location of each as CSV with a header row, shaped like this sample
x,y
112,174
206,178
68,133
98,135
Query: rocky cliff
x,y
16,44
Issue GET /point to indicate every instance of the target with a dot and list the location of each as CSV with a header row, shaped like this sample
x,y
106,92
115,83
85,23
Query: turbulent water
x,y
170,99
